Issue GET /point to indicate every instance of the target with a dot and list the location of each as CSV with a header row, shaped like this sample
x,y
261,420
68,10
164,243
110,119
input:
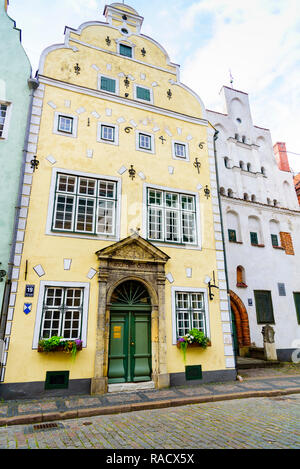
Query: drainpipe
x,y
33,85
223,242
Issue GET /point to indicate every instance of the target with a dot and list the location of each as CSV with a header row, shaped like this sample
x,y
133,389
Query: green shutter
x,y
264,307
232,235
274,240
143,93
297,304
108,84
253,238
125,50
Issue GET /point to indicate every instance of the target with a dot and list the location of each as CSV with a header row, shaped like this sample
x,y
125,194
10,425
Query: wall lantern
x,y
207,280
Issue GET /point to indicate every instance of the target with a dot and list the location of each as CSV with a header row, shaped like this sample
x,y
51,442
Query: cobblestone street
x,y
268,423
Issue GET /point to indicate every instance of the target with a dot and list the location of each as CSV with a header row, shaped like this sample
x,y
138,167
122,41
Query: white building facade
x,y
261,223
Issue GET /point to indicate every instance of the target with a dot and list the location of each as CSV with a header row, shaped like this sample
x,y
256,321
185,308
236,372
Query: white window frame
x,y
39,310
137,141
137,85
99,133
71,234
8,105
65,134
175,157
110,78
176,289
198,244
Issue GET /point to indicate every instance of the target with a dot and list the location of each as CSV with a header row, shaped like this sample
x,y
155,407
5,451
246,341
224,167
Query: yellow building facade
x,y
120,229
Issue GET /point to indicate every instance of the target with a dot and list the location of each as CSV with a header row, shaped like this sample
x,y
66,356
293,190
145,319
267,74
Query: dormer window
x,y
125,50
243,139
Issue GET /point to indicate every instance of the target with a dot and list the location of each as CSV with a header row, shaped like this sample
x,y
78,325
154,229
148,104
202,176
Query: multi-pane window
x,y
65,124
232,235
108,133
274,239
3,112
108,84
171,217
253,238
180,150
190,312
62,313
84,205
145,141
125,50
143,93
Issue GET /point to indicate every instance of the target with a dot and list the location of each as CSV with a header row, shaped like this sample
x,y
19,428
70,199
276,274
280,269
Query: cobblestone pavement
x,y
262,423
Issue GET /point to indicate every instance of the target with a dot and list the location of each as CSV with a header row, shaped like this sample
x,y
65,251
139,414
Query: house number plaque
x,y
117,332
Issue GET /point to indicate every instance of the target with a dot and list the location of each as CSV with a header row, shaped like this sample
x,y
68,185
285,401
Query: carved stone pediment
x,y
134,248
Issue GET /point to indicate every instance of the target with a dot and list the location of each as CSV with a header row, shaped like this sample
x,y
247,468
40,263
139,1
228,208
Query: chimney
x,y
281,156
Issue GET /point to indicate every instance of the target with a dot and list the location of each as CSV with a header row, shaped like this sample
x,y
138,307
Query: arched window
x,y
274,232
226,162
230,193
240,277
268,201
246,196
253,198
244,139
233,226
263,171
242,166
222,191
255,231
236,136
248,167
275,203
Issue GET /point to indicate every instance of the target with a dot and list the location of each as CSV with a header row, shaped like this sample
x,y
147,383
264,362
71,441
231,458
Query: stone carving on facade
x,y
268,334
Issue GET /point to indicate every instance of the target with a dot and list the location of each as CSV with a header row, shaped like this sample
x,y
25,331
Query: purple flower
x,y
78,342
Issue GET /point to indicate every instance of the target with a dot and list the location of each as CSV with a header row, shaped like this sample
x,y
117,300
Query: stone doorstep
x,y
124,408
127,387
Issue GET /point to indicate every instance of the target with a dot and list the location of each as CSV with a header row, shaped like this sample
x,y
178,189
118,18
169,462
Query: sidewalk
x,y
257,382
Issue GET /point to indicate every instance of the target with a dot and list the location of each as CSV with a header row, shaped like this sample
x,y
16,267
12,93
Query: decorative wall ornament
x,y
34,163
169,94
197,165
163,140
201,145
128,130
126,82
132,172
77,69
207,192
108,41
143,51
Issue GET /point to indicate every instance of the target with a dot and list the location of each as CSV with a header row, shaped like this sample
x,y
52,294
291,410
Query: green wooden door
x,y
297,305
130,347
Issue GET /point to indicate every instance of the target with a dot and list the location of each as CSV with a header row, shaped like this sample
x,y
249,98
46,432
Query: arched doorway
x,y
129,354
240,322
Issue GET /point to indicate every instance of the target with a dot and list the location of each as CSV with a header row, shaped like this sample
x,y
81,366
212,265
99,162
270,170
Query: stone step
x,y
244,363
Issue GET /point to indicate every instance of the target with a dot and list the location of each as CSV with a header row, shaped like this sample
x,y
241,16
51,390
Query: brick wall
x,y
287,243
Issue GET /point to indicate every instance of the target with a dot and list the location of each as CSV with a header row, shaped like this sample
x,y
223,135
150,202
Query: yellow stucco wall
x,y
27,365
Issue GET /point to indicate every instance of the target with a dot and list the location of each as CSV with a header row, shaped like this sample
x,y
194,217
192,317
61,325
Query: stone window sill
x,y
258,245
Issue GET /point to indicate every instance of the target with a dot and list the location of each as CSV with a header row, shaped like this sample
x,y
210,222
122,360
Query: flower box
x,y
56,344
194,345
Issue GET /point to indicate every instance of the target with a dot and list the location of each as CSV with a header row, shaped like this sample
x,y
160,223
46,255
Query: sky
x,y
256,41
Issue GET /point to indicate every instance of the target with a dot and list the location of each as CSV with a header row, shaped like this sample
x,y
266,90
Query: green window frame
x,y
297,305
171,217
264,307
126,51
108,84
84,205
62,313
143,93
232,235
274,239
253,238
